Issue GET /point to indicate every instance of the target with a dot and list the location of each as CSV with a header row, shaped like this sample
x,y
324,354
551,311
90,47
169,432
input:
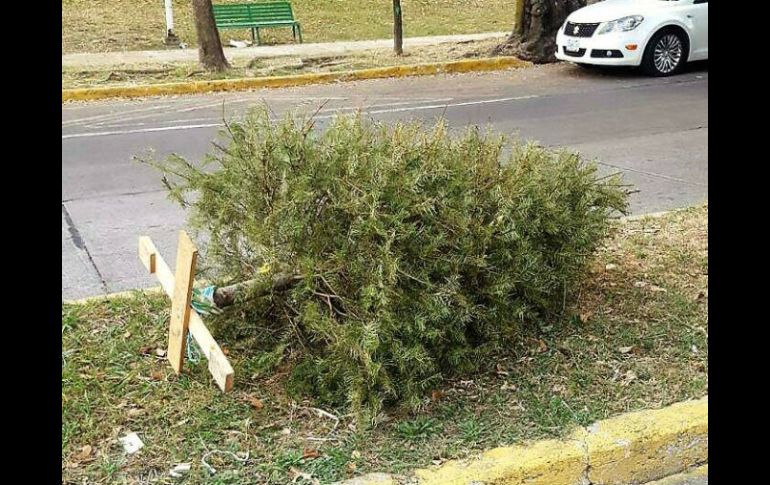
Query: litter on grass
x,y
131,443
180,470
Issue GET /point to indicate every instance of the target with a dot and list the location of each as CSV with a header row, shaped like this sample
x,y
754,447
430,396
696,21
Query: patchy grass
x,y
116,25
637,338
275,66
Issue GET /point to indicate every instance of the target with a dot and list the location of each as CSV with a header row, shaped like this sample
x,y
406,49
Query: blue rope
x,y
193,354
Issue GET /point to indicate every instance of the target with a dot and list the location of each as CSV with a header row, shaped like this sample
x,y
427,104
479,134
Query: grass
x,y
115,25
636,338
277,66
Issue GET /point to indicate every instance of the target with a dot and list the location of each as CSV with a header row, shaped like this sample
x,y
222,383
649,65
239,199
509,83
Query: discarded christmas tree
x,y
391,256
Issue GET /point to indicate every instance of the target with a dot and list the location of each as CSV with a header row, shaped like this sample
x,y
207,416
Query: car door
x,y
698,17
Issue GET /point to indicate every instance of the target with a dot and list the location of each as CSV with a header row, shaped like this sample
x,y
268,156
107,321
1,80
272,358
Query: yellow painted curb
x,y
545,462
680,478
197,87
632,448
647,445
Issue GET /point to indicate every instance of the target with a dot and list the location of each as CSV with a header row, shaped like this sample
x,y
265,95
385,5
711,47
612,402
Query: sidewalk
x,y
108,59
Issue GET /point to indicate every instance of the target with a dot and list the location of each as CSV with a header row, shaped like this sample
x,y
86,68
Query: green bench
x,y
256,16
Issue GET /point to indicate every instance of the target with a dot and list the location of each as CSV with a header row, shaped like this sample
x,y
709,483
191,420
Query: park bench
x,y
255,16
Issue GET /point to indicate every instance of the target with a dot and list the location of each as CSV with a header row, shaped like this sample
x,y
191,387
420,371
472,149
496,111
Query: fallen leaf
x,y
156,375
294,474
351,467
355,455
180,423
286,431
542,347
658,289
610,266
255,402
625,350
134,412
127,335
310,453
630,376
436,395
225,351
597,268
84,453
584,316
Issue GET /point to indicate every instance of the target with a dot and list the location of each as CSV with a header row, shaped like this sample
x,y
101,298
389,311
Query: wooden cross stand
x,y
179,288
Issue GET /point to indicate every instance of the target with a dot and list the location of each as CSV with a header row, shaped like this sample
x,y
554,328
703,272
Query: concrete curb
x,y
155,290
632,448
197,87
694,475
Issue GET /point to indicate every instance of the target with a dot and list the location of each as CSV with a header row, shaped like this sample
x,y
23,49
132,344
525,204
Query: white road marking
x,y
383,105
377,111
452,105
115,125
112,115
120,123
140,130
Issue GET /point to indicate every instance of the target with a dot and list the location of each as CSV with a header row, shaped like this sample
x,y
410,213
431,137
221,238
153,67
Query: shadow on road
x,y
624,72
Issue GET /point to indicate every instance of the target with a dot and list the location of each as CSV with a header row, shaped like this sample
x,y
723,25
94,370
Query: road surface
x,y
654,131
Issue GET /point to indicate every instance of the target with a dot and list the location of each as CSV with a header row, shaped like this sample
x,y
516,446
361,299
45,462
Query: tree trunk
x,y
229,295
534,30
210,51
398,33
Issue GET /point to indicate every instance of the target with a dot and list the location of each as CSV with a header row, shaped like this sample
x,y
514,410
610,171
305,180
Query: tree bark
x,y
534,30
210,53
398,32
228,295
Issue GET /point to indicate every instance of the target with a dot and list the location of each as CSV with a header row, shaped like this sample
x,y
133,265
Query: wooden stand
x,y
183,317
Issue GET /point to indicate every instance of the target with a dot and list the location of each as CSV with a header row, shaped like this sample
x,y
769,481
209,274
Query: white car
x,y
658,35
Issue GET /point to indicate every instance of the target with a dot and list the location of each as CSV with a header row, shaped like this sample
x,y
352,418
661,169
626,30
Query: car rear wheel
x,y
665,54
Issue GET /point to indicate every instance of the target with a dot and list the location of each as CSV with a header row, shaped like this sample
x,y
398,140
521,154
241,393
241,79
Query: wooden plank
x,y
186,256
147,253
219,366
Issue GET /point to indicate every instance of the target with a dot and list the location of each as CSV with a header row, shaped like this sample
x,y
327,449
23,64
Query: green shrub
x,y
421,253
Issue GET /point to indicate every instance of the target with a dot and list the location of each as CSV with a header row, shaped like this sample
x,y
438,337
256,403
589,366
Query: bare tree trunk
x,y
229,295
398,33
535,26
210,51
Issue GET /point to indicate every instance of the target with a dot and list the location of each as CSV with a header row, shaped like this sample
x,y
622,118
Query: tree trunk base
x,y
537,51
534,34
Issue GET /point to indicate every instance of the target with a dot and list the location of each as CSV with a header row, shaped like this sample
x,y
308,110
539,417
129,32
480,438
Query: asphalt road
x,y
655,131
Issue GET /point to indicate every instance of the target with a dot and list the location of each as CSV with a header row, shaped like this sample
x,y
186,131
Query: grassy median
x,y
139,74
116,25
637,338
